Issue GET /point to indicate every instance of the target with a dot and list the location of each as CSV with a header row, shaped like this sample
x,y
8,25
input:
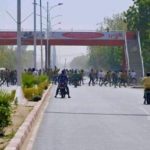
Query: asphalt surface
x,y
96,118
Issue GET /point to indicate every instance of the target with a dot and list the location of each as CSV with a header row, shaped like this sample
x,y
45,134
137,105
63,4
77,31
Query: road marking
x,y
98,114
146,112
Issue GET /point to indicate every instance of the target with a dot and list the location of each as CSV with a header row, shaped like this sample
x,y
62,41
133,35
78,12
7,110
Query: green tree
x,y
115,23
79,62
8,58
137,18
108,57
105,57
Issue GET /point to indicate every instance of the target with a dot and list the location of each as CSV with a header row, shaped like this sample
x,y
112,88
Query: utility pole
x,y
47,43
41,35
19,42
35,34
19,97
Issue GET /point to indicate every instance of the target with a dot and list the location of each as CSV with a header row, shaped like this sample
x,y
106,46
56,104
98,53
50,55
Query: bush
x,y
13,93
30,80
29,93
33,86
36,98
44,85
35,91
5,110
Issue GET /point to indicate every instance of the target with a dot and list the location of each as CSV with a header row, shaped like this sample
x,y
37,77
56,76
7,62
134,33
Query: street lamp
x,y
41,35
19,42
52,18
35,33
19,93
49,26
59,4
55,24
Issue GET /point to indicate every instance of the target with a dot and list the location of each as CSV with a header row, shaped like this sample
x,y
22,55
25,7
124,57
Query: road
x,y
96,118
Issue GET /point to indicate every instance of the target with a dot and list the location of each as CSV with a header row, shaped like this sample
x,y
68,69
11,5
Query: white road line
x,y
146,112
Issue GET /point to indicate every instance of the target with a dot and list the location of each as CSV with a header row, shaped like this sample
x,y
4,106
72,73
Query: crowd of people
x,y
76,77
112,78
8,77
100,77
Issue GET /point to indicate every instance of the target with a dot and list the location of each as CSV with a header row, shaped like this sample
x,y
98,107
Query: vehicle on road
x,y
62,90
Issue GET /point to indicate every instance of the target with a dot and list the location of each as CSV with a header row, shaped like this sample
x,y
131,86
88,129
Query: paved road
x,y
96,118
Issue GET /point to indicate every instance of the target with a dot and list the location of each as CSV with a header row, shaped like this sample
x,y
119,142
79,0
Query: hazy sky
x,y
76,15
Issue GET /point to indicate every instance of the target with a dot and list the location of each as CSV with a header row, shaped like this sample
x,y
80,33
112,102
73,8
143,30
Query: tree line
x,y
8,58
136,18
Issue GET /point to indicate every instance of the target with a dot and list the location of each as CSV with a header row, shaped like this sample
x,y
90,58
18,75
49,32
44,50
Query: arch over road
x,y
130,41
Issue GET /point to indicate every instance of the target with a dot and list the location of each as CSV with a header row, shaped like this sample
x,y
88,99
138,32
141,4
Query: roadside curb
x,y
23,131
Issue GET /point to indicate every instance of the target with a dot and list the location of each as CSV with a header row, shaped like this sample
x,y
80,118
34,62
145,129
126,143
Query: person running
x,y
133,77
101,76
123,79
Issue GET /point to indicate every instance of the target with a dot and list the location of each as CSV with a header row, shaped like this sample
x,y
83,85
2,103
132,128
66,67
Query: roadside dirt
x,y
20,112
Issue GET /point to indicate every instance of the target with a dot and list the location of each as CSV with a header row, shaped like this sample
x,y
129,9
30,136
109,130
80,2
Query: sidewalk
x,y
26,128
9,88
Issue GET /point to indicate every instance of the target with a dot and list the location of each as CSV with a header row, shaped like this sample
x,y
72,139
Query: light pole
x,y
47,43
53,53
55,17
47,30
19,42
49,27
19,97
65,63
35,33
41,35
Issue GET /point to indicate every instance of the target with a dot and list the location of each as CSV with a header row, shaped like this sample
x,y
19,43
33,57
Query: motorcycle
x,y
147,97
62,90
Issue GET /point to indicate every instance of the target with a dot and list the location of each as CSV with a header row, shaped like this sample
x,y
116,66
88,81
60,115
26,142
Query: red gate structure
x,y
129,41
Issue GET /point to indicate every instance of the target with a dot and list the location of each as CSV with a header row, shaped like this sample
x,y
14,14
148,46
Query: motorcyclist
x,y
62,78
146,83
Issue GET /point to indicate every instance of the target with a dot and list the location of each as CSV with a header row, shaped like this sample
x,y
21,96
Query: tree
x,y
137,18
79,62
8,58
116,23
107,57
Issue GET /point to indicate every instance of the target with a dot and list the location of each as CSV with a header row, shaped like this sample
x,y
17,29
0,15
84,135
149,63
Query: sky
x,y
74,15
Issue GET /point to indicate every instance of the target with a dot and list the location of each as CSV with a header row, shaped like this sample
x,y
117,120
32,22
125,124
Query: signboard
x,y
88,35
24,35
65,35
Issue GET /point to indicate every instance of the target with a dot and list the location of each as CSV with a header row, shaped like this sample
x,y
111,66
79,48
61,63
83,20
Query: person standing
x,y
146,83
91,76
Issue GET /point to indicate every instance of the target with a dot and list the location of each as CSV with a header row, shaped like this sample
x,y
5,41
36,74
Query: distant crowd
x,y
100,77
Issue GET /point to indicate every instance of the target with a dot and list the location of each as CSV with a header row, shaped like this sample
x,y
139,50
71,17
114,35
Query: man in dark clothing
x,y
92,77
62,78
